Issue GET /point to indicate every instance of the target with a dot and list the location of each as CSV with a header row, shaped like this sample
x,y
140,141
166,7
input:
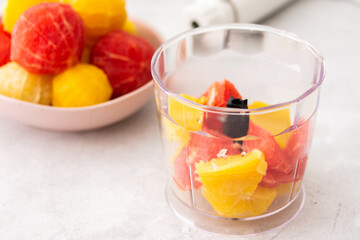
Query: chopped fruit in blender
x,y
266,143
125,59
200,148
48,38
185,116
274,122
16,82
237,178
219,93
5,40
234,175
240,206
81,86
100,17
236,126
14,8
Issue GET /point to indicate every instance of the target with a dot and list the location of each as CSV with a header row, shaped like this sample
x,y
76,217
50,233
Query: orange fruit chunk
x,y
187,116
241,206
273,122
175,133
234,175
230,184
16,82
80,86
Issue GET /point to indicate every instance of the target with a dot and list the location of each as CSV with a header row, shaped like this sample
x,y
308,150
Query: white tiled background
x,y
100,185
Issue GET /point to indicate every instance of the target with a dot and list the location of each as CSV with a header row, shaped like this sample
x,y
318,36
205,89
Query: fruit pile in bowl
x,y
73,64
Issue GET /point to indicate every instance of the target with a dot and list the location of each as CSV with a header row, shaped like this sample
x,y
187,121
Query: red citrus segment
x,y
274,178
5,40
296,153
299,141
220,92
266,143
125,59
48,38
218,95
182,172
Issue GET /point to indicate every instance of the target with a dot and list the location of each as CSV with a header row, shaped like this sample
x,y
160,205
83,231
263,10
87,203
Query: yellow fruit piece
x,y
175,133
16,82
234,175
274,122
129,27
80,86
241,206
188,117
100,17
14,8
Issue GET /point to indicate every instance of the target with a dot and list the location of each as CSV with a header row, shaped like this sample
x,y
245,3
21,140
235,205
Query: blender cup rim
x,y
237,26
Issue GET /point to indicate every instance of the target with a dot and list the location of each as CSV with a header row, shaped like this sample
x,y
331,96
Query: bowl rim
x,y
237,26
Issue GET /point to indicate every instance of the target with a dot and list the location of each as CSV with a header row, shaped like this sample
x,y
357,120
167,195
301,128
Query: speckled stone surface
x,y
109,184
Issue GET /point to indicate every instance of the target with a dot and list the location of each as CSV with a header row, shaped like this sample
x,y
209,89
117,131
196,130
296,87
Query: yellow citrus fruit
x,y
274,122
100,17
234,175
80,86
14,8
129,27
16,82
241,206
185,116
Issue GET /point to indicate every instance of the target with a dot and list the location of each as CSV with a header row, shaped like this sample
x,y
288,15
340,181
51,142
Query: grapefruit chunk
x,y
220,92
296,153
265,142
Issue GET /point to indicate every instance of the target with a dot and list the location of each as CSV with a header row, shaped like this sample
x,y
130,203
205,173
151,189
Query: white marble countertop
x,y
109,184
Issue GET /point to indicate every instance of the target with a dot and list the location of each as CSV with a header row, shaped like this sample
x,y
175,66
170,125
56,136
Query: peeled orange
x,y
16,82
80,86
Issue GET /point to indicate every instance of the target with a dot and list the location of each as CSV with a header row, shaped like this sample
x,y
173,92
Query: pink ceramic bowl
x,y
85,118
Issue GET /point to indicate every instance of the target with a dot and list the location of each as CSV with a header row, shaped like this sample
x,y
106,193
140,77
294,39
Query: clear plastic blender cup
x,y
237,171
